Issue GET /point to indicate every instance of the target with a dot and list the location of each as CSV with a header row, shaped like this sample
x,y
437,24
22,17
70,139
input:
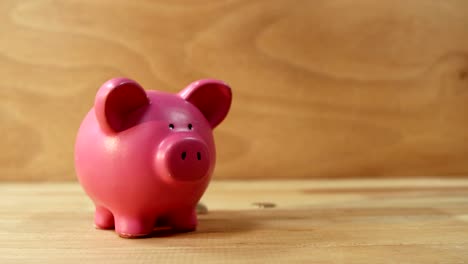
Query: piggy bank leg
x,y
133,227
103,218
184,221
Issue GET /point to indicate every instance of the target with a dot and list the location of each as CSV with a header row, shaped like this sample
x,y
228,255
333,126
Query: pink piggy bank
x,y
145,158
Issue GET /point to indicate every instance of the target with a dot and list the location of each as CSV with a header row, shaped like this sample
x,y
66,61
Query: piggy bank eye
x,y
171,126
190,126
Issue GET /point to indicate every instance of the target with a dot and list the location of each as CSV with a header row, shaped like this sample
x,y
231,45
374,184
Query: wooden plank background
x,y
334,88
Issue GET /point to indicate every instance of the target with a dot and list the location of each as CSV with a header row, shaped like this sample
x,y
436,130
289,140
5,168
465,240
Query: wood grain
x,y
314,221
321,88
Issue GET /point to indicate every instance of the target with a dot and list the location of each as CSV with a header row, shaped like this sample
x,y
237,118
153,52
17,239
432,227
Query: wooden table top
x,y
316,221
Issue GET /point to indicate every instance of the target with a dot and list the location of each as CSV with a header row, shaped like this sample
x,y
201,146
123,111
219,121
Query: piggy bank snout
x,y
186,159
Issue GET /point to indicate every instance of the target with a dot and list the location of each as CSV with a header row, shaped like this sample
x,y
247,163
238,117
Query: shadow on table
x,y
225,222
228,221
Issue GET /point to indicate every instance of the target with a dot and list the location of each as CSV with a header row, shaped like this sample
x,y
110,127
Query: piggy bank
x,y
146,157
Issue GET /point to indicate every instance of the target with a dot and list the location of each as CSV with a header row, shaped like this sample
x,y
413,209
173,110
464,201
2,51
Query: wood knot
x,y
264,205
463,75
201,209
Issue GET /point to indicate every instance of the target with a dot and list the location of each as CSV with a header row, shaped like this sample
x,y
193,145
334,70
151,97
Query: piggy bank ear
x,y
117,102
211,97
